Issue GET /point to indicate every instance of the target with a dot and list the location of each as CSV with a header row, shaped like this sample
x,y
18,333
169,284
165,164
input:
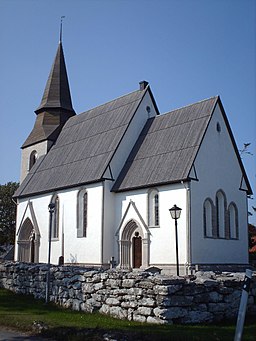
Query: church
x,y
100,186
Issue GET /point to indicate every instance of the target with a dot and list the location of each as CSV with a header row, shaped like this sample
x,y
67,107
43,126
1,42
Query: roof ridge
x,y
189,105
98,106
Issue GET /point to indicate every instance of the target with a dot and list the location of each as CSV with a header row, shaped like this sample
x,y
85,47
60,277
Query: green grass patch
x,y
20,312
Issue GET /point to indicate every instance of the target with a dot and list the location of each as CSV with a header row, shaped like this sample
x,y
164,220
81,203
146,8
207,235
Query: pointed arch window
x,y
82,214
221,207
153,208
208,218
220,220
56,218
32,159
233,221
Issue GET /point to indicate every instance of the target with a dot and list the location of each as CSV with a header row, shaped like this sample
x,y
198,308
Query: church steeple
x,y
57,94
51,115
56,104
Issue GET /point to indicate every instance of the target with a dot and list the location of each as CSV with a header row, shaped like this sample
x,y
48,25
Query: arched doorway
x,y
133,246
136,251
28,243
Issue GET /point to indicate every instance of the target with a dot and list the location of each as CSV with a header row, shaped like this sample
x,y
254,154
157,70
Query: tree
x,y
7,213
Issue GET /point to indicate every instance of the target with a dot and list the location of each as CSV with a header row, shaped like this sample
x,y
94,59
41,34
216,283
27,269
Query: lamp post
x,y
51,208
175,212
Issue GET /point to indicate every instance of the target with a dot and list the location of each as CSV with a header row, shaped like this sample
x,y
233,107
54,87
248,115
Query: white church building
x,y
113,173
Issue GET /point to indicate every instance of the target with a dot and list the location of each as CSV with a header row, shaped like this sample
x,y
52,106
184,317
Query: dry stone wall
x,y
139,296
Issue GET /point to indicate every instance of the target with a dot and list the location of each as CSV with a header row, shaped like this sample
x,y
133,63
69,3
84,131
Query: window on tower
x,y
32,159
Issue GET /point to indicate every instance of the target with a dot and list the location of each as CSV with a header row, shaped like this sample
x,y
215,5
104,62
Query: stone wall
x,y
138,296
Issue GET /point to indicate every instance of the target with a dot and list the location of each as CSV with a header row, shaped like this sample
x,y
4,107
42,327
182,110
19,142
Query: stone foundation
x,y
139,296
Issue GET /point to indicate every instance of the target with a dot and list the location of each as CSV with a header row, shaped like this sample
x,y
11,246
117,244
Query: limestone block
x,y
119,292
88,308
103,276
129,304
76,305
118,312
192,288
77,285
139,318
143,311
98,286
147,302
130,314
135,291
113,283
105,309
112,301
215,297
161,290
145,285
156,320
96,278
94,303
88,287
217,307
77,278
224,290
128,283
163,280
197,317
201,298
90,273
235,296
170,313
97,297
68,303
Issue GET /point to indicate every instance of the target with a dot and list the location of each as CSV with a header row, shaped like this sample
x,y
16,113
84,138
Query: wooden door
x,y
137,251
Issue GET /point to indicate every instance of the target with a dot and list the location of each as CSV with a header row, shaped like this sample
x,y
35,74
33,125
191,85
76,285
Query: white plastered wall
x,y
217,168
136,125
162,246
85,250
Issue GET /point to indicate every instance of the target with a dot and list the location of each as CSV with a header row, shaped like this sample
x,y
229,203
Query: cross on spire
x,y
61,20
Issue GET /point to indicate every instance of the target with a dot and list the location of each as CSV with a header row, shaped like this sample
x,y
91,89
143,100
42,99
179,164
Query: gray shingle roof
x,y
84,147
166,148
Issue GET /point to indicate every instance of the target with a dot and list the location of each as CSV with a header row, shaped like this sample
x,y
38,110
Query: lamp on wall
x,y
51,208
175,212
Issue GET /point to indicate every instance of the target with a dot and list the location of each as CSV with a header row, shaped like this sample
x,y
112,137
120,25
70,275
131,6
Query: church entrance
x,y
133,247
28,243
137,251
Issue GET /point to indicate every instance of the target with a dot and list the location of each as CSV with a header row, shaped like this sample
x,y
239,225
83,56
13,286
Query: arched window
x,y
82,213
153,208
233,220
221,207
208,218
56,218
32,159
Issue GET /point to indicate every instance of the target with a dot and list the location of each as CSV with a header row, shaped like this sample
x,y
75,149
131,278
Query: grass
x,y
20,312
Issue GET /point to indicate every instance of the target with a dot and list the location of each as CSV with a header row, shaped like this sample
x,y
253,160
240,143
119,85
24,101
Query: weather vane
x,y
61,20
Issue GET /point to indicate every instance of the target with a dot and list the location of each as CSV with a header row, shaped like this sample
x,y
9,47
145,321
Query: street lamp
x,y
175,212
51,208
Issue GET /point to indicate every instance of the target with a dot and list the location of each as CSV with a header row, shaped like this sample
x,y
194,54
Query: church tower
x,y
51,115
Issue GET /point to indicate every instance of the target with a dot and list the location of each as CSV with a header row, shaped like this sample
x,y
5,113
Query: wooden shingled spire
x,y
56,104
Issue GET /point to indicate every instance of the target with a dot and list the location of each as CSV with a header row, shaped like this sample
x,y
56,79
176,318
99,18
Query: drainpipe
x,y
188,226
102,222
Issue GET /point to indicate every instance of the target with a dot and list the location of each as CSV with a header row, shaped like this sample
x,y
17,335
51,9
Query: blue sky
x,y
188,50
